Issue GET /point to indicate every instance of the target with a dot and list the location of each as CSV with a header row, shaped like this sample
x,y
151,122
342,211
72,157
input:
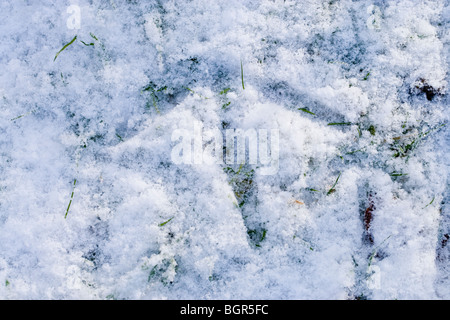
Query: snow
x,y
143,226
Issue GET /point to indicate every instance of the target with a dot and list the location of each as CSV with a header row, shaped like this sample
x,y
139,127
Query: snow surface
x,y
234,233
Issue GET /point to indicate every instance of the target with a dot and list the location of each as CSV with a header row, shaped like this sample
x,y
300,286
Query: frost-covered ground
x,y
98,122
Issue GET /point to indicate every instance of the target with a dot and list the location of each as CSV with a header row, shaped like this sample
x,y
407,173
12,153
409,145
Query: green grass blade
x,y
307,111
153,92
334,185
263,235
93,37
374,252
149,88
340,124
395,174
224,91
430,202
164,223
23,115
63,48
196,93
87,44
120,137
242,76
71,198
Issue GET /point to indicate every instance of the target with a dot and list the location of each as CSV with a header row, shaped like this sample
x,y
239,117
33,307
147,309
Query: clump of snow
x,y
356,208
